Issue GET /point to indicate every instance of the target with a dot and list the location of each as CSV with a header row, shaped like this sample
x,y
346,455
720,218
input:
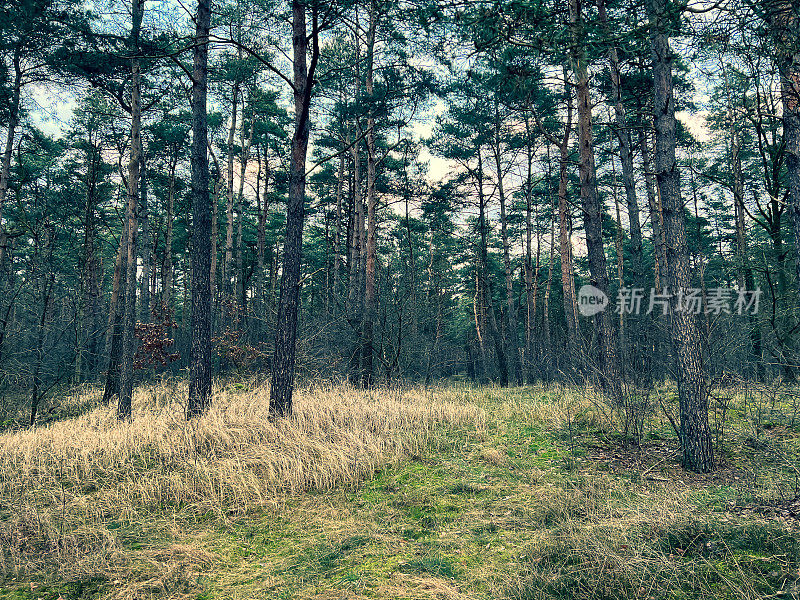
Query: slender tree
x,y
131,217
200,353
692,386
283,364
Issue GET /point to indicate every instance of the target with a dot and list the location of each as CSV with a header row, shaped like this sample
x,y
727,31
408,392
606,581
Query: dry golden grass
x,y
65,488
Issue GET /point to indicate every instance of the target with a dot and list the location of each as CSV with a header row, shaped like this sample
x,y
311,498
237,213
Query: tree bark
x,y
784,22
355,296
145,310
511,312
479,312
263,213
89,312
167,274
283,368
626,155
692,389
337,235
370,301
530,293
548,287
47,293
565,232
590,203
487,303
744,273
240,279
200,351
227,264
126,373
8,150
116,311
656,216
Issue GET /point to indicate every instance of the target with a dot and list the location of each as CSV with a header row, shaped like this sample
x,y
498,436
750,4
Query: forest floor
x,y
522,493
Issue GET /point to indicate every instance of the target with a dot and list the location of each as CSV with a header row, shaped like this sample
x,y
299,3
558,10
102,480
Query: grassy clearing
x,y
452,493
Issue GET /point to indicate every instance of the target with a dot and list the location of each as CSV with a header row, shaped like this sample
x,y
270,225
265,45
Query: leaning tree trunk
x,y
283,367
625,154
200,351
129,320
692,390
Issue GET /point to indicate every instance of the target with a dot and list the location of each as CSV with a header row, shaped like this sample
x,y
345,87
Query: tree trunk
x,y
116,311
549,286
227,263
565,233
200,351
511,312
656,216
744,273
126,373
261,243
47,293
145,310
215,293
592,210
620,259
478,310
8,150
90,276
692,390
240,279
167,275
337,234
283,368
784,22
530,296
483,276
626,155
370,301
355,296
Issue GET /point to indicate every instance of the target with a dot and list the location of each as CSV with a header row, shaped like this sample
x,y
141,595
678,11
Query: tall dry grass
x,y
68,489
